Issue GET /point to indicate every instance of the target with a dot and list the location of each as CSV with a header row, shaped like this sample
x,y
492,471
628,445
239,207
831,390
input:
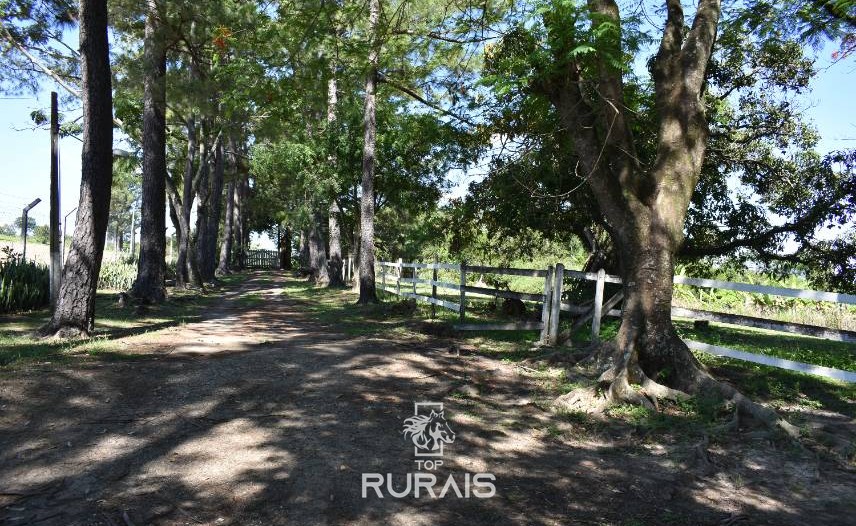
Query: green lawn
x,y
19,345
766,383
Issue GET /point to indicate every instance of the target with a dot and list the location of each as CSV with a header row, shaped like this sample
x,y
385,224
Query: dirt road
x,y
263,415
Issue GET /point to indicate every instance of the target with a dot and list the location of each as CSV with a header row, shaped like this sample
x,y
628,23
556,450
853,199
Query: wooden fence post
x,y
398,279
383,276
415,276
434,288
463,300
598,306
545,306
555,308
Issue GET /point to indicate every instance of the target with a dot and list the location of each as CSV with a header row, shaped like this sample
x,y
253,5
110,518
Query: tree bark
x,y
643,208
74,314
238,223
149,285
334,263
285,248
303,249
368,294
203,210
317,251
186,268
224,267
208,265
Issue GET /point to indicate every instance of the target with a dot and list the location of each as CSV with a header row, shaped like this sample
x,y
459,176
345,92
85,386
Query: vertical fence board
x,y
546,306
555,308
598,306
434,288
398,279
463,291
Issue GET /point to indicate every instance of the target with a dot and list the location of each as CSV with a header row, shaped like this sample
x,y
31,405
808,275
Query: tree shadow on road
x,y
281,430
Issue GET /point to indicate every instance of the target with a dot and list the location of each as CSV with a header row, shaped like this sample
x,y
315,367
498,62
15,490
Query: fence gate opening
x,y
262,259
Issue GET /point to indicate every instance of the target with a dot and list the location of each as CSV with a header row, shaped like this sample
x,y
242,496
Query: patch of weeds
x,y
553,431
632,414
567,387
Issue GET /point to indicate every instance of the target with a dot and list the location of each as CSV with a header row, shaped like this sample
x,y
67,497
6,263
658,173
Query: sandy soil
x,y
262,415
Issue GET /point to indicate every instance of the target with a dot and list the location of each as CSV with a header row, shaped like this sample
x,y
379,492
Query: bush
x,y
42,234
24,285
117,275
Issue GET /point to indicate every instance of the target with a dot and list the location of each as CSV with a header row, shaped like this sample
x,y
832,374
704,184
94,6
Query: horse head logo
x,y
429,432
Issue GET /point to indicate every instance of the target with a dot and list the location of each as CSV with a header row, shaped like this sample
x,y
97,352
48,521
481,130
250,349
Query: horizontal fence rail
x,y
551,306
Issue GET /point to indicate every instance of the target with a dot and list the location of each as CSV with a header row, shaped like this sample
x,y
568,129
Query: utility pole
x,y
56,256
24,226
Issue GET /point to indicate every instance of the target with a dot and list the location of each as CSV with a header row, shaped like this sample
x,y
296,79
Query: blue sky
x,y
25,170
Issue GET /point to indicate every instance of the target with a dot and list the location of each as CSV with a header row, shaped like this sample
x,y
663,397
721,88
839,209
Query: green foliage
x,y
24,285
31,225
117,275
42,234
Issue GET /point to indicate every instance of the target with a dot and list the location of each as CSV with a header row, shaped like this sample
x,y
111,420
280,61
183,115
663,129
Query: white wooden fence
x,y
394,281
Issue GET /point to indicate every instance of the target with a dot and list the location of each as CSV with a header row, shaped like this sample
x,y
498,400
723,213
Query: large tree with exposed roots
x,y
644,203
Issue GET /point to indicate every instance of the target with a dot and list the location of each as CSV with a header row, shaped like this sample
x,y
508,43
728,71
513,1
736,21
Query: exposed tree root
x,y
62,333
624,382
614,388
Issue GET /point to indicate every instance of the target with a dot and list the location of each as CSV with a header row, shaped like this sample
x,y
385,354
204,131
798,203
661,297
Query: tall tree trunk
x,y
203,209
186,268
334,263
368,294
303,250
238,223
285,248
317,251
74,314
225,267
208,264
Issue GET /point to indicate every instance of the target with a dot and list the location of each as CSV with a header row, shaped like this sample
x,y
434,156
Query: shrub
x,y
117,275
24,285
42,234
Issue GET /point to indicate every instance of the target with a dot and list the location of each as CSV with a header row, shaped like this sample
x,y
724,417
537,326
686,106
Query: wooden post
x,y
463,283
598,306
555,308
434,288
383,276
398,279
415,275
56,254
545,306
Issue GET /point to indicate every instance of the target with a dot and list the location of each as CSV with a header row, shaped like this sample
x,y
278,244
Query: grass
x,y
775,386
19,346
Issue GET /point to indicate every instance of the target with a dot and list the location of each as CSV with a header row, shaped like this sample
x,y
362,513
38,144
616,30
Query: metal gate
x,y
262,259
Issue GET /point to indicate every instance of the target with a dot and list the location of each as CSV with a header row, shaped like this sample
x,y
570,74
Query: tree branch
x,y
414,95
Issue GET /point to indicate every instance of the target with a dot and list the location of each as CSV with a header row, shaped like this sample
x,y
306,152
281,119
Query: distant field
x,y
40,252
